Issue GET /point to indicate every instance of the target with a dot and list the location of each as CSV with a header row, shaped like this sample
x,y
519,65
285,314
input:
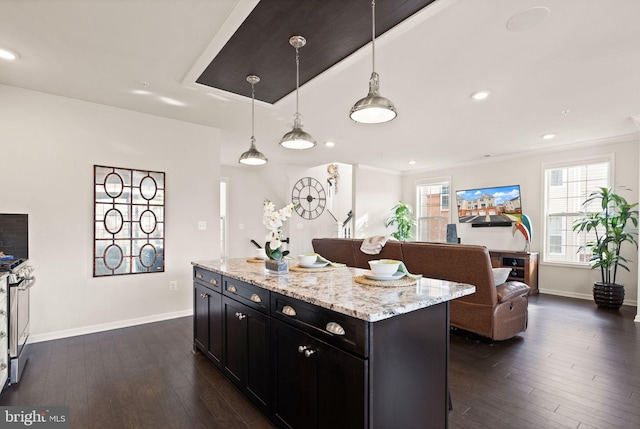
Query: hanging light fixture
x,y
373,109
297,138
253,156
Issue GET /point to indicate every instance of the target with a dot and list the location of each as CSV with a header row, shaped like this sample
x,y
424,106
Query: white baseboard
x,y
36,338
586,296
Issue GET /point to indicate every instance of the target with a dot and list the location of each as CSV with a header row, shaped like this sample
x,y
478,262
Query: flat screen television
x,y
497,206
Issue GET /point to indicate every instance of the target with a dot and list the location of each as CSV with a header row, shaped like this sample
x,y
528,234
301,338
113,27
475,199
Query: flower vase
x,y
277,266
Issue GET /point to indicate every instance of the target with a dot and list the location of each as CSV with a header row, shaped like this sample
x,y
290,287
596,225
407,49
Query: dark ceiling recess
x,y
334,29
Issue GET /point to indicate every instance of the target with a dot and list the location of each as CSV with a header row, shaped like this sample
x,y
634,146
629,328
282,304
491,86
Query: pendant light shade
x,y
374,108
297,138
253,156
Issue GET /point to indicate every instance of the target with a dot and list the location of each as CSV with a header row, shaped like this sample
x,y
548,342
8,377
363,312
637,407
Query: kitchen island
x,y
317,349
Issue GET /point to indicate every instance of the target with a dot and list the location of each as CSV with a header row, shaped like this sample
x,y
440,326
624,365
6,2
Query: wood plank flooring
x,y
575,367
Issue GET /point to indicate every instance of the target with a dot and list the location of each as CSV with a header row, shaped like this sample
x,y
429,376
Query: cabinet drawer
x,y
207,278
253,296
341,330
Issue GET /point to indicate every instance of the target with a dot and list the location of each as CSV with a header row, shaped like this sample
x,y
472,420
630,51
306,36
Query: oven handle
x,y
27,283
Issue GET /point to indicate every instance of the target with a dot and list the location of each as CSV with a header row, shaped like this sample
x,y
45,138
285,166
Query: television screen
x,y
499,206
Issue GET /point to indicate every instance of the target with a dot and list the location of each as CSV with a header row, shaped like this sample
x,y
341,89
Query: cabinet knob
x,y
213,282
301,349
204,295
335,328
3,290
199,276
240,316
3,334
256,298
309,352
288,310
232,289
3,366
2,312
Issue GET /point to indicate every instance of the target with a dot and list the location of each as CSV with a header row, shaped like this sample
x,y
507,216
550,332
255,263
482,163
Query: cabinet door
x,y
341,388
214,351
201,317
294,378
246,350
316,384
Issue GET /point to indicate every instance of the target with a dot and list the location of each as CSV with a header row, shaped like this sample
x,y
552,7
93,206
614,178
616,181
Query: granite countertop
x,y
336,289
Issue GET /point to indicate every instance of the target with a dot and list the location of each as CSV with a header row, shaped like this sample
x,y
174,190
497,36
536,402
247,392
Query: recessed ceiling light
x,y
548,136
171,101
330,144
8,54
565,112
481,95
412,162
140,91
528,18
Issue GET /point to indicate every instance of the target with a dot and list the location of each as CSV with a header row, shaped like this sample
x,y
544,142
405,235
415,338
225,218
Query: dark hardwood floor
x,y
575,367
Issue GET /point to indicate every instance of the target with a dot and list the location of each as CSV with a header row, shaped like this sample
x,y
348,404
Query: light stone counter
x,y
336,289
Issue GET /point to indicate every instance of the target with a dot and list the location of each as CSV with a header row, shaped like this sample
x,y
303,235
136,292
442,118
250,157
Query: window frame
x,y
443,180
596,159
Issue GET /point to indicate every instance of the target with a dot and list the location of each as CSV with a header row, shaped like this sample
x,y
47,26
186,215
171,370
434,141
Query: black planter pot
x,y
608,295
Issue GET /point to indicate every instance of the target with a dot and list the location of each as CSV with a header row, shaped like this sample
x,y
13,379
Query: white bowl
x,y
384,267
261,254
309,259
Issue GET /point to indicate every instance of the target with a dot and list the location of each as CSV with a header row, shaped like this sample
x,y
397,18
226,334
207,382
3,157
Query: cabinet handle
x,y
232,289
213,282
199,276
288,310
240,316
335,328
256,298
204,295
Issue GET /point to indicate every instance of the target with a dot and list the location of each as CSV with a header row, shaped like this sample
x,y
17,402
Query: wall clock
x,y
310,198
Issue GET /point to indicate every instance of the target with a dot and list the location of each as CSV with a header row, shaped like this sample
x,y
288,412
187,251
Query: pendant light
x,y
253,156
373,109
297,138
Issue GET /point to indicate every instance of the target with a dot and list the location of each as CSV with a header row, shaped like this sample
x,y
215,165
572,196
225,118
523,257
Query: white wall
x,y
527,172
376,193
49,175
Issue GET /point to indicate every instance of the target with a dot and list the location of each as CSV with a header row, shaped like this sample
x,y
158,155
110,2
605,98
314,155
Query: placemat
x,y
404,281
255,260
310,270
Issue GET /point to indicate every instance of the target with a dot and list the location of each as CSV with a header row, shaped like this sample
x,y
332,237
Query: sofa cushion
x,y
510,290
500,275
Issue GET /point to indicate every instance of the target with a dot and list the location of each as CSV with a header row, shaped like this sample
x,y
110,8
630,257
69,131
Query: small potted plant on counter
x,y
614,223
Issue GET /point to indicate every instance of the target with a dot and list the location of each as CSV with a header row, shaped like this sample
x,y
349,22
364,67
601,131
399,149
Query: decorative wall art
x,y
128,221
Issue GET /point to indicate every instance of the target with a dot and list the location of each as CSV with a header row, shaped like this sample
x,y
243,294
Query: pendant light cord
x,y
253,96
297,118
373,35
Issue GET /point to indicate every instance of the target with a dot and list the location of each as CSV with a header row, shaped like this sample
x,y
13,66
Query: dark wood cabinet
x,y
246,350
524,266
207,326
316,385
307,366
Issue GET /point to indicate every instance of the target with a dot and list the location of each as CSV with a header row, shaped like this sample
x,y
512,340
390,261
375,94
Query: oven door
x,y
19,316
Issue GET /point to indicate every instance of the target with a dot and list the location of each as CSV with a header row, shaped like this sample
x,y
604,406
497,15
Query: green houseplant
x,y
402,217
614,224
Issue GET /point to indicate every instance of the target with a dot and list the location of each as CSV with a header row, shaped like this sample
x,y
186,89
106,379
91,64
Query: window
x,y
432,210
224,183
566,187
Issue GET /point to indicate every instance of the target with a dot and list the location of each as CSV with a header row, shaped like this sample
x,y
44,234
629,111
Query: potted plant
x,y
402,217
614,224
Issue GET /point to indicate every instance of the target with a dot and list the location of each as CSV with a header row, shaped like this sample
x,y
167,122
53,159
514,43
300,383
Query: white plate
x,y
372,276
315,265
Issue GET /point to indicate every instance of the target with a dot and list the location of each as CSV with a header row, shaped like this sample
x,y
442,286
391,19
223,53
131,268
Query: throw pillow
x,y
500,275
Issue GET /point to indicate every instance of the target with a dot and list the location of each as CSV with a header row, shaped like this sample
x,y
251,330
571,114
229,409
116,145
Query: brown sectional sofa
x,y
498,312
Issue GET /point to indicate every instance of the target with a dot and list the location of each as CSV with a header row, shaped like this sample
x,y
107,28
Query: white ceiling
x,y
584,58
